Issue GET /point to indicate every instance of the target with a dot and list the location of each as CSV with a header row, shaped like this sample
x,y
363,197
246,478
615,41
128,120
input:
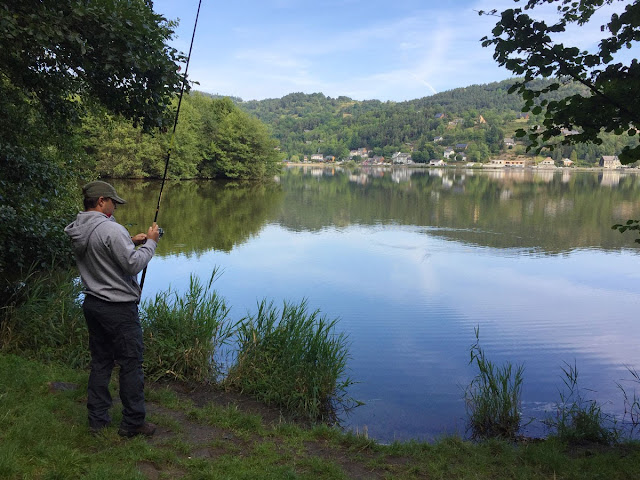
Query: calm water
x,y
411,261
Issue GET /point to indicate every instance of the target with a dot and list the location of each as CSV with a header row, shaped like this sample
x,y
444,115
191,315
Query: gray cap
x,y
101,189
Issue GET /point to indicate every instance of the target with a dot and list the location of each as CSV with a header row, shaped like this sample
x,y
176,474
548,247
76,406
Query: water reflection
x,y
551,211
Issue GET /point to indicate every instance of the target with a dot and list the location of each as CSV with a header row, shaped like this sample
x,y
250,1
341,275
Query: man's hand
x,y
153,232
139,239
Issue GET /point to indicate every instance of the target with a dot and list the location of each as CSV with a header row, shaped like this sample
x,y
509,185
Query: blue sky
x,y
364,49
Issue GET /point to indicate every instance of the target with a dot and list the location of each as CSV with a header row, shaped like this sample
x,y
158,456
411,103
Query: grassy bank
x,y
290,357
43,434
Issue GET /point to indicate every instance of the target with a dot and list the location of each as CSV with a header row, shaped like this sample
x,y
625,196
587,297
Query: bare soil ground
x,y
209,442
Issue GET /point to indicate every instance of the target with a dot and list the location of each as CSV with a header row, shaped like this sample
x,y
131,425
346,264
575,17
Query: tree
x,y
111,51
59,58
240,145
610,101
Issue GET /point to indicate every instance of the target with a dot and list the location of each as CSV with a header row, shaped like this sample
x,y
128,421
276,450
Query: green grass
x,y
493,398
292,358
44,435
184,334
45,319
579,419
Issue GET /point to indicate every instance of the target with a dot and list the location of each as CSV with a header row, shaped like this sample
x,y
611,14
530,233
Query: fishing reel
x,y
160,232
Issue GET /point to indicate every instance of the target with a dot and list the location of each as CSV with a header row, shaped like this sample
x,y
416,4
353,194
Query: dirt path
x,y
203,441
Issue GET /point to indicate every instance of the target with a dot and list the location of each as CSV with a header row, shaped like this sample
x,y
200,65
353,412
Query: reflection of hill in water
x,y
543,210
199,216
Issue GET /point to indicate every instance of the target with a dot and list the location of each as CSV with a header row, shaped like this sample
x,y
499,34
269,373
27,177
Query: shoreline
x,y
464,167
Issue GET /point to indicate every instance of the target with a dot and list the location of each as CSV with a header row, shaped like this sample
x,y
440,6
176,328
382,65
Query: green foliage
x,y
240,146
44,320
579,420
292,358
58,60
629,225
183,335
494,396
609,101
214,139
110,51
36,206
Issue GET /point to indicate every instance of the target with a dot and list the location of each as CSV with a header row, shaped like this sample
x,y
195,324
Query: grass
x,y
579,419
494,396
45,318
631,418
43,435
184,334
292,358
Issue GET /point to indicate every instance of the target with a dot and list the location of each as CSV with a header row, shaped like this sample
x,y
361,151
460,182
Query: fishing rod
x,y
173,133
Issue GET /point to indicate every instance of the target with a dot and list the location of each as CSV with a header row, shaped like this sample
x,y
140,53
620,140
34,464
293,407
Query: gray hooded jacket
x,y
107,258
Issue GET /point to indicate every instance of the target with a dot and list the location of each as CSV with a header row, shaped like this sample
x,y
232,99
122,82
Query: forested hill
x,y
480,116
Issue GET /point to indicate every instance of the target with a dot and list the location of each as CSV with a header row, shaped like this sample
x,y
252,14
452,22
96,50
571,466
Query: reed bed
x,y
292,358
493,398
184,334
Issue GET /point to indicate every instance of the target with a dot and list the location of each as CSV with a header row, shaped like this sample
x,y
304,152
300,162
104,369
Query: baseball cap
x,y
101,189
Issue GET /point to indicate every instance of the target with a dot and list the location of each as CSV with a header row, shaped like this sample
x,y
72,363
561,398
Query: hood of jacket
x,y
81,229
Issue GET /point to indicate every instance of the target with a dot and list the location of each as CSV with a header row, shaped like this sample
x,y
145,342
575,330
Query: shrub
x,y
292,358
493,397
183,335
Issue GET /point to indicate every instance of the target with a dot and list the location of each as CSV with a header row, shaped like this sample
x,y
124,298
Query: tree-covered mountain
x,y
480,116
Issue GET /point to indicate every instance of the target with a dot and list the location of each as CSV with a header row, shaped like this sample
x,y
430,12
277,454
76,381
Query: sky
x,y
363,49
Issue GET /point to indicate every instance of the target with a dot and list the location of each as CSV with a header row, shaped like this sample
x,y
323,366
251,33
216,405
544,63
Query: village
x,y
454,156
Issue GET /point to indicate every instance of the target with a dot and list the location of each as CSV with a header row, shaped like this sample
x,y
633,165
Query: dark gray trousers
x,y
115,336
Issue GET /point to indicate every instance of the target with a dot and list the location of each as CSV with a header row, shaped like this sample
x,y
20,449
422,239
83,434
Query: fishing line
x,y
173,133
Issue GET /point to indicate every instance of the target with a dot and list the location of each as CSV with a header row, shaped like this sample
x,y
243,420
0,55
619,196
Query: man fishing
x,y
109,263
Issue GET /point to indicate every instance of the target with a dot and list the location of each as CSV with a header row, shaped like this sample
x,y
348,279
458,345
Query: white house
x,y
610,161
547,163
401,158
449,152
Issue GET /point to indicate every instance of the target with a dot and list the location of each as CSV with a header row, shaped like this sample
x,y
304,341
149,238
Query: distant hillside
x,y
479,117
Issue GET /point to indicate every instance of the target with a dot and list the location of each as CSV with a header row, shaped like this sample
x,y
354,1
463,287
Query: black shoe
x,y
146,429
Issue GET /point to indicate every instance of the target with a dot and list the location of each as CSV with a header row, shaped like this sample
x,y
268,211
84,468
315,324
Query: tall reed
x,y
631,399
44,319
578,419
292,358
494,396
184,334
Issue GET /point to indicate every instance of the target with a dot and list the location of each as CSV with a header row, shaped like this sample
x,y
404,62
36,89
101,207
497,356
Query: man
x,y
109,263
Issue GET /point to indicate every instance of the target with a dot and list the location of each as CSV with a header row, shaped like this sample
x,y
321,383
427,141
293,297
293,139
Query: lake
x,y
413,260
